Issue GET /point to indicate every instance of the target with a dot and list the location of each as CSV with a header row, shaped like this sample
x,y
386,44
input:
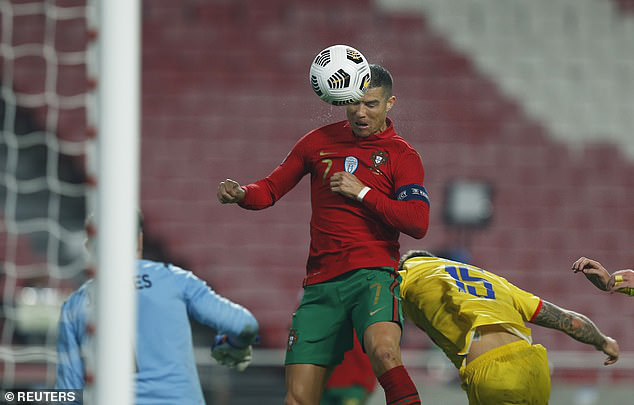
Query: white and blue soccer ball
x,y
340,75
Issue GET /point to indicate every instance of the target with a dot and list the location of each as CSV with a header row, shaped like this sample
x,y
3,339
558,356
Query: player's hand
x,y
594,271
621,279
346,184
229,355
229,192
611,348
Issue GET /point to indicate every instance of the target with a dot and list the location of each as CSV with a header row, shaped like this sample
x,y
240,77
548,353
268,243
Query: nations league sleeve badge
x,y
350,164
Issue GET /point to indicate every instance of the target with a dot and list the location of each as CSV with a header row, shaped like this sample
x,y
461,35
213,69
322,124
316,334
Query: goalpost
x,y
117,202
70,122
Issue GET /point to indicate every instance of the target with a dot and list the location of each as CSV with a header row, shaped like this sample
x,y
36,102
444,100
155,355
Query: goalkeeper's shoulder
x,y
80,297
169,272
75,308
168,269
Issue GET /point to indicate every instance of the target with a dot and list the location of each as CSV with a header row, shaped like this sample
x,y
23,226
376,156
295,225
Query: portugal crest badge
x,y
378,158
292,339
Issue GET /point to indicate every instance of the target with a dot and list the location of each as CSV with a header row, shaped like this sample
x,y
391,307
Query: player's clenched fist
x,y
346,184
229,191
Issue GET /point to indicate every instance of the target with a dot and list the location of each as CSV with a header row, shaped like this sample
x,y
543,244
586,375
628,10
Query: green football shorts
x,y
352,395
321,331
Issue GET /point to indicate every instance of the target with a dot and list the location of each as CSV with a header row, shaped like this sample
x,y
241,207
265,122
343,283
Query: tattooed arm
x,y
578,327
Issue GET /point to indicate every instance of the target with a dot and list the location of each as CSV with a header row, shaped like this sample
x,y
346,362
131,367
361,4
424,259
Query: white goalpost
x,y
117,197
68,149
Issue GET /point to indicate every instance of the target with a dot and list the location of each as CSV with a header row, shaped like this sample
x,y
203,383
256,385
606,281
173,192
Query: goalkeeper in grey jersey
x,y
165,366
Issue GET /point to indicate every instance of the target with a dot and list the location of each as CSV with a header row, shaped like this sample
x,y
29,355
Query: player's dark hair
x,y
411,254
381,77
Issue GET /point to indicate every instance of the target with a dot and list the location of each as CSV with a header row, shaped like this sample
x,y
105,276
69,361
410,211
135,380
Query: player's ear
x,y
390,103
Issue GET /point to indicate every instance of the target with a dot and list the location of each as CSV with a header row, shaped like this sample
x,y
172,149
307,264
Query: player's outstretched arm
x,y
594,271
620,281
236,326
230,192
578,327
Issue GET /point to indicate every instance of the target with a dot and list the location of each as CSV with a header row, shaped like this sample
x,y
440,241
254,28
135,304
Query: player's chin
x,y
362,131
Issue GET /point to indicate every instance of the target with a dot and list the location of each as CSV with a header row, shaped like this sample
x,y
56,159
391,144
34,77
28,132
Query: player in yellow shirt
x,y
478,319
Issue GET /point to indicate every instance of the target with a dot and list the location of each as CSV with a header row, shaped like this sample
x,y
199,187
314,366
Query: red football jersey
x,y
347,234
354,370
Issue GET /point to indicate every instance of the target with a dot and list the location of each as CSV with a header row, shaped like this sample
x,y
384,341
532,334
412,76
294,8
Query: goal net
x,y
65,118
42,179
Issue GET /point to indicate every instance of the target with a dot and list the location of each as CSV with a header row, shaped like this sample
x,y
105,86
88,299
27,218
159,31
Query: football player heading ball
x,y
366,188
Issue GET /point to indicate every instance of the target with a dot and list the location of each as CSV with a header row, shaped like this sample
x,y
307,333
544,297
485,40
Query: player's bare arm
x,y
230,192
578,327
594,271
346,184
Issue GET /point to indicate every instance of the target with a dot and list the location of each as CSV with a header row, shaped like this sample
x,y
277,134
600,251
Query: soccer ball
x,y
340,75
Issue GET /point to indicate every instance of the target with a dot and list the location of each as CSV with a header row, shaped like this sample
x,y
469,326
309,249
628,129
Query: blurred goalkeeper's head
x,y
91,232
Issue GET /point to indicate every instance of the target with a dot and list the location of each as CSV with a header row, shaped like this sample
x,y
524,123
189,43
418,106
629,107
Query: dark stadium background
x,y
225,93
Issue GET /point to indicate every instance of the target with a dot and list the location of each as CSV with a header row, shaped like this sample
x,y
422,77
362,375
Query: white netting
x,y
42,178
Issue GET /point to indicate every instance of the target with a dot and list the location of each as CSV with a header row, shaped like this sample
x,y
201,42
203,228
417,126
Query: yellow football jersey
x,y
449,300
